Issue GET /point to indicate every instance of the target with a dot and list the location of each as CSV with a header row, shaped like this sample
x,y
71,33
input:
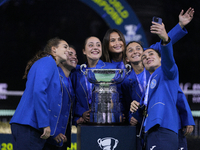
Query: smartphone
x,y
157,20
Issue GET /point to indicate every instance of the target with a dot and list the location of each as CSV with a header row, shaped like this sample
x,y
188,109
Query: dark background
x,y
26,25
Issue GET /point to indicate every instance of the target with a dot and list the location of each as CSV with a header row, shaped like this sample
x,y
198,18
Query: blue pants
x,y
139,141
161,139
26,137
182,141
48,146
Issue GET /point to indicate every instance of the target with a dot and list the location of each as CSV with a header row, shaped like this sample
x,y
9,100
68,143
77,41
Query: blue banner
x,y
3,1
119,15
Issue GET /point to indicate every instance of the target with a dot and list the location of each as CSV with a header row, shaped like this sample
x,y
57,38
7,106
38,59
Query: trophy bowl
x,y
104,76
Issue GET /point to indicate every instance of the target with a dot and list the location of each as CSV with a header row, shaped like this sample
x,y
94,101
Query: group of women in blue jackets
x,y
52,101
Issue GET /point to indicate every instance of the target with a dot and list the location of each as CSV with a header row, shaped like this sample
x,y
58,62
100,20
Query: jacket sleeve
x,y
168,64
45,69
138,115
184,109
79,110
175,35
127,98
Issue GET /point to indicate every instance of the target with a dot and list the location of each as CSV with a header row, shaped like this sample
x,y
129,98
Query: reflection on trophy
x,y
107,143
105,105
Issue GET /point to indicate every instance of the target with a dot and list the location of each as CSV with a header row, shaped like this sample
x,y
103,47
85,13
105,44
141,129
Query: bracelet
x,y
166,42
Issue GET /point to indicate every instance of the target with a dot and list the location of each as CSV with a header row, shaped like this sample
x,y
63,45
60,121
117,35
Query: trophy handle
x,y
128,68
81,68
99,142
116,142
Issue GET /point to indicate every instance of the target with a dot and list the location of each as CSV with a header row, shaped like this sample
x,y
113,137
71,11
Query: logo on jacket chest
x,y
153,83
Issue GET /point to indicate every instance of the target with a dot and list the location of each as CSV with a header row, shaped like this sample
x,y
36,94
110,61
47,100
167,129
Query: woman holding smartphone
x,y
135,84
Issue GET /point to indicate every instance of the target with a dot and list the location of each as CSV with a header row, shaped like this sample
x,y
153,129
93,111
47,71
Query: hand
x,y
159,29
188,129
123,118
184,19
86,116
80,120
60,137
134,106
46,133
133,121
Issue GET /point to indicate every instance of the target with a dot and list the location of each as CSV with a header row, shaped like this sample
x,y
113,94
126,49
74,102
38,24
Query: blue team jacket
x,y
41,102
67,111
163,93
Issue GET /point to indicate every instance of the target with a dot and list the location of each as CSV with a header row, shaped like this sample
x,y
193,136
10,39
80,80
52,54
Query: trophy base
x,y
104,124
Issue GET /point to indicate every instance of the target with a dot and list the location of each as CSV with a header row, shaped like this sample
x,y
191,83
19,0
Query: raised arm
x,y
167,60
185,18
177,32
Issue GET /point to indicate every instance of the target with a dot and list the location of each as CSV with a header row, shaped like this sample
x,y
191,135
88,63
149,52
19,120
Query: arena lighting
x,y
7,112
12,93
195,113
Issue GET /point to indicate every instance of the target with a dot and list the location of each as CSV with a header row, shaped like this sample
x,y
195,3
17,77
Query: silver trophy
x,y
105,105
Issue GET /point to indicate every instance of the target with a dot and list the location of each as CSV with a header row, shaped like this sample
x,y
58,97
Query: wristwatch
x,y
166,42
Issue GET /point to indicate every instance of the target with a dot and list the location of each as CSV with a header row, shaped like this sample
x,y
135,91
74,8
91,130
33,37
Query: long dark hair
x,y
106,56
47,51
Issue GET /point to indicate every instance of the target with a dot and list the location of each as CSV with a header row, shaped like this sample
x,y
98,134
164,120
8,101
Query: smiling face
x,y
116,44
72,60
133,52
151,60
60,51
93,50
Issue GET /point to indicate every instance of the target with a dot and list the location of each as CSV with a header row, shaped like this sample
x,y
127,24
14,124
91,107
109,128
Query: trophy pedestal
x,y
106,137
